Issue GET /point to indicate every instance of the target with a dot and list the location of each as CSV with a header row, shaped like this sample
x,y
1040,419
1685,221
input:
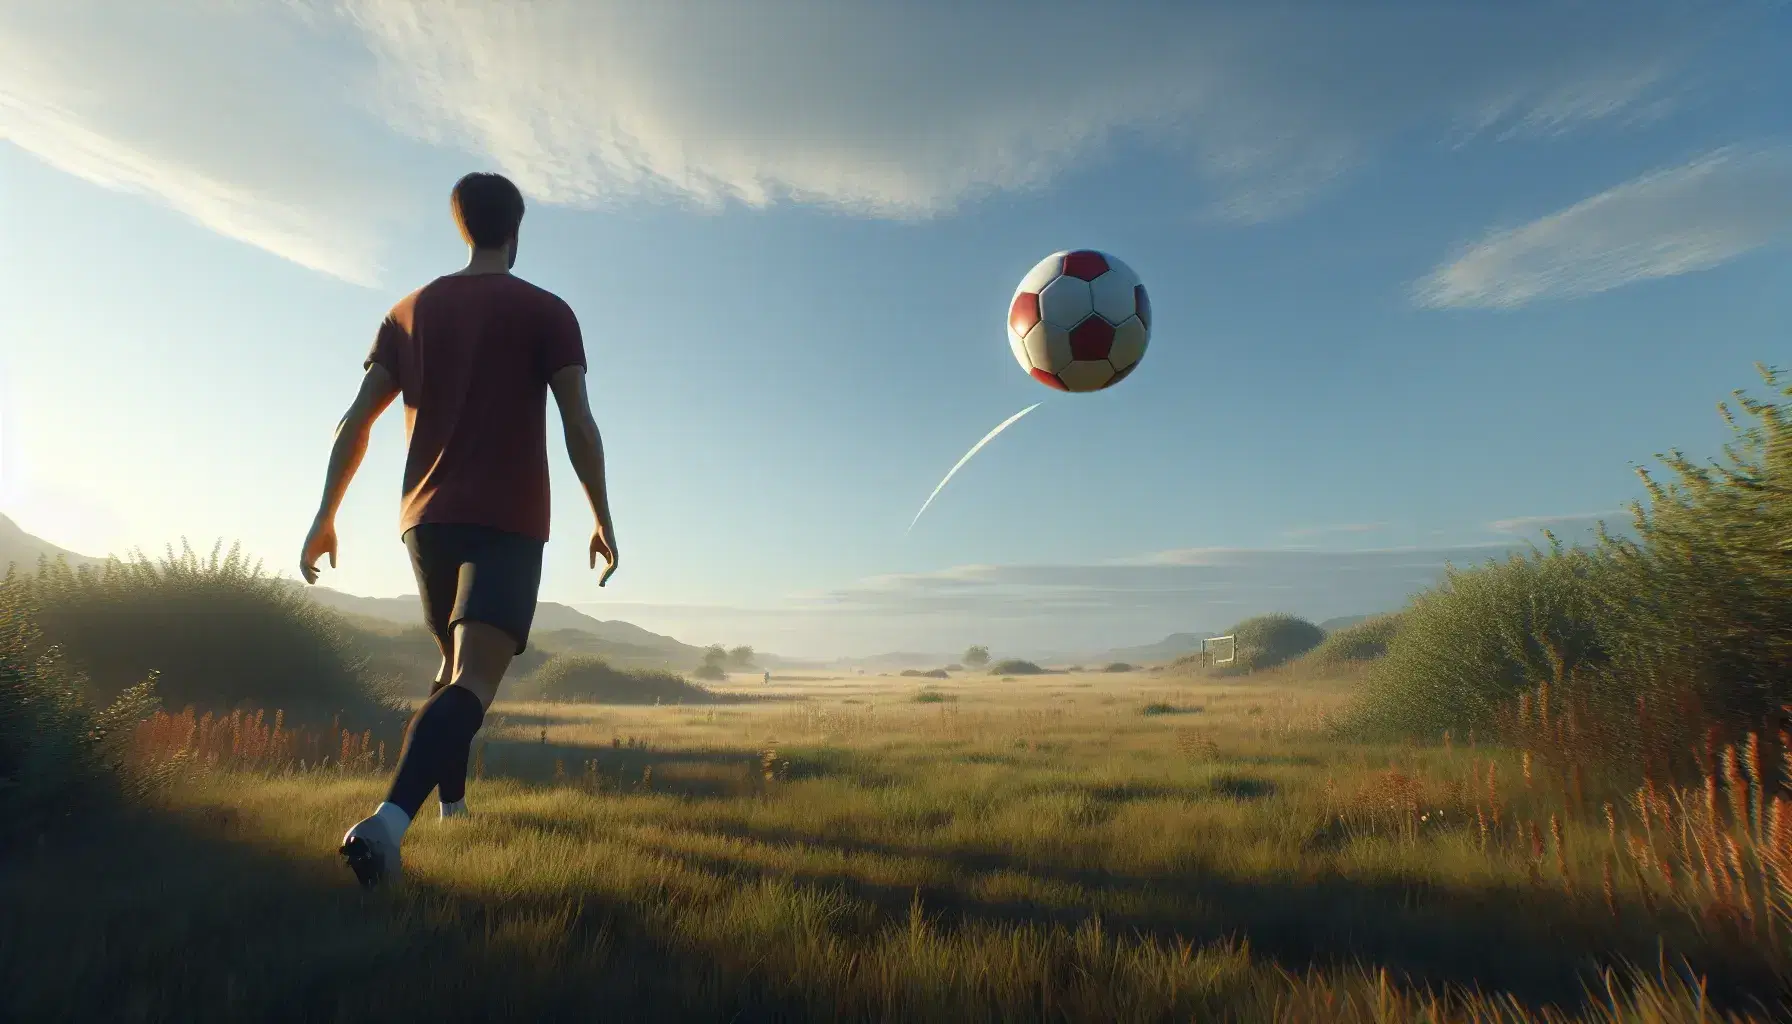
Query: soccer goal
x,y
1220,650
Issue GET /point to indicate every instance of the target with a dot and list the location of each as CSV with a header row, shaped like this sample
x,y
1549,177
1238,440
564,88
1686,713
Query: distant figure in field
x,y
474,354
768,676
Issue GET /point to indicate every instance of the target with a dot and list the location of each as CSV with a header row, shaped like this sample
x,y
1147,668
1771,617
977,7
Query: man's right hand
x,y
601,544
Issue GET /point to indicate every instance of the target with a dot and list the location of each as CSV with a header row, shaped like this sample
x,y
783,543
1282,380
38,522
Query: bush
x,y
1647,646
1015,667
1466,649
933,697
588,679
1363,641
1120,666
58,754
929,673
218,632
1270,640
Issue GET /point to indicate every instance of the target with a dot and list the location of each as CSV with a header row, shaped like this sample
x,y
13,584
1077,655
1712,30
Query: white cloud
x,y
1322,531
1675,221
237,115
1573,528
291,124
1087,608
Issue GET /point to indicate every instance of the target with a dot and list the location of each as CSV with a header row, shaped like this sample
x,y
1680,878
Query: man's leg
x,y
371,845
451,789
497,578
435,751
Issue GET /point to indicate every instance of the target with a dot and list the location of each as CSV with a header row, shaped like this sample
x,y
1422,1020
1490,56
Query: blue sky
x,y
1426,277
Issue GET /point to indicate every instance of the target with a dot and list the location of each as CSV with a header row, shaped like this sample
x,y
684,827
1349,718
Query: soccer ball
x,y
1079,321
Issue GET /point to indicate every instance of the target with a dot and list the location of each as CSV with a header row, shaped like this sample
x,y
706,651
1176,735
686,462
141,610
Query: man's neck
x,y
486,261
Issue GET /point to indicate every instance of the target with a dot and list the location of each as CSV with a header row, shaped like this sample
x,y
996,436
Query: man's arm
x,y
585,447
378,388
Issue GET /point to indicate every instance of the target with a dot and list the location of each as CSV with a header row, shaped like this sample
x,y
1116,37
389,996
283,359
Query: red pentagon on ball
x,y
1085,264
1048,378
1023,314
1091,339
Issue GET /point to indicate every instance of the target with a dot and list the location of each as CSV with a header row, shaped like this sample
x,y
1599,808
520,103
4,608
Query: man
x,y
474,354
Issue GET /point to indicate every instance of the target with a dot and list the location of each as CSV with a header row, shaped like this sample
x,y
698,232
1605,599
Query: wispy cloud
x,y
1301,532
294,124
241,116
1576,527
1675,221
1086,607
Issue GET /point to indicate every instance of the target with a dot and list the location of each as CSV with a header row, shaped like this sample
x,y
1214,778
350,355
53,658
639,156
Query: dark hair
x,y
488,208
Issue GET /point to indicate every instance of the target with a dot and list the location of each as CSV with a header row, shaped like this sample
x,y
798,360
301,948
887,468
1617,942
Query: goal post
x,y
1220,650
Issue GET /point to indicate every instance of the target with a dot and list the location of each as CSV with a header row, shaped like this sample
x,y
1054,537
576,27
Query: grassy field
x,y
1091,846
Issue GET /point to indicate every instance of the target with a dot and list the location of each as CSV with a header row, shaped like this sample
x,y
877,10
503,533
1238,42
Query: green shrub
x,y
1466,649
217,631
1015,667
934,697
1711,572
1363,641
927,673
1119,666
58,754
588,679
1270,640
1646,643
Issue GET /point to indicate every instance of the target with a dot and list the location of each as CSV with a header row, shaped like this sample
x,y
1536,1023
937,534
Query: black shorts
x,y
475,574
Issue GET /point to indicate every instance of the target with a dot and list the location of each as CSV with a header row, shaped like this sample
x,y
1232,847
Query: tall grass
x,y
590,679
218,632
1362,642
59,754
1467,648
1685,629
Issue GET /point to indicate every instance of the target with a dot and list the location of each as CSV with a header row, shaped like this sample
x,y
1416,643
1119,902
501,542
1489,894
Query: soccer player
x,y
474,354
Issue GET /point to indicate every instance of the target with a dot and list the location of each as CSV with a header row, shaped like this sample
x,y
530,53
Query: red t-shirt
x,y
473,355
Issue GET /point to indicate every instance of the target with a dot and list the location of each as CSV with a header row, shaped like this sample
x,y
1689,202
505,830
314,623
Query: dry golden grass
x,y
1038,849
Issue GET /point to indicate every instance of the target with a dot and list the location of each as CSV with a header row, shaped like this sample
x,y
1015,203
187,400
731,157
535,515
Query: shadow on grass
x,y
1541,945
188,917
695,773
165,917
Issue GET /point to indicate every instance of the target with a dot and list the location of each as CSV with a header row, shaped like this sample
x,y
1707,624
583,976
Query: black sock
x,y
452,788
453,785
436,742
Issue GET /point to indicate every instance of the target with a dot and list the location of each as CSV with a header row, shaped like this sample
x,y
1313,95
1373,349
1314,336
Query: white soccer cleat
x,y
456,809
371,852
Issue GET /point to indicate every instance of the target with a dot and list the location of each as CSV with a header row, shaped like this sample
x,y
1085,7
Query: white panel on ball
x,y
1130,338
1112,294
1086,374
1048,347
1042,273
1018,346
1065,302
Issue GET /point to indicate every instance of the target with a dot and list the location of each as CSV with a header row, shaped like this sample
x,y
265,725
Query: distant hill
x,y
896,660
1168,649
21,549
557,628
393,627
